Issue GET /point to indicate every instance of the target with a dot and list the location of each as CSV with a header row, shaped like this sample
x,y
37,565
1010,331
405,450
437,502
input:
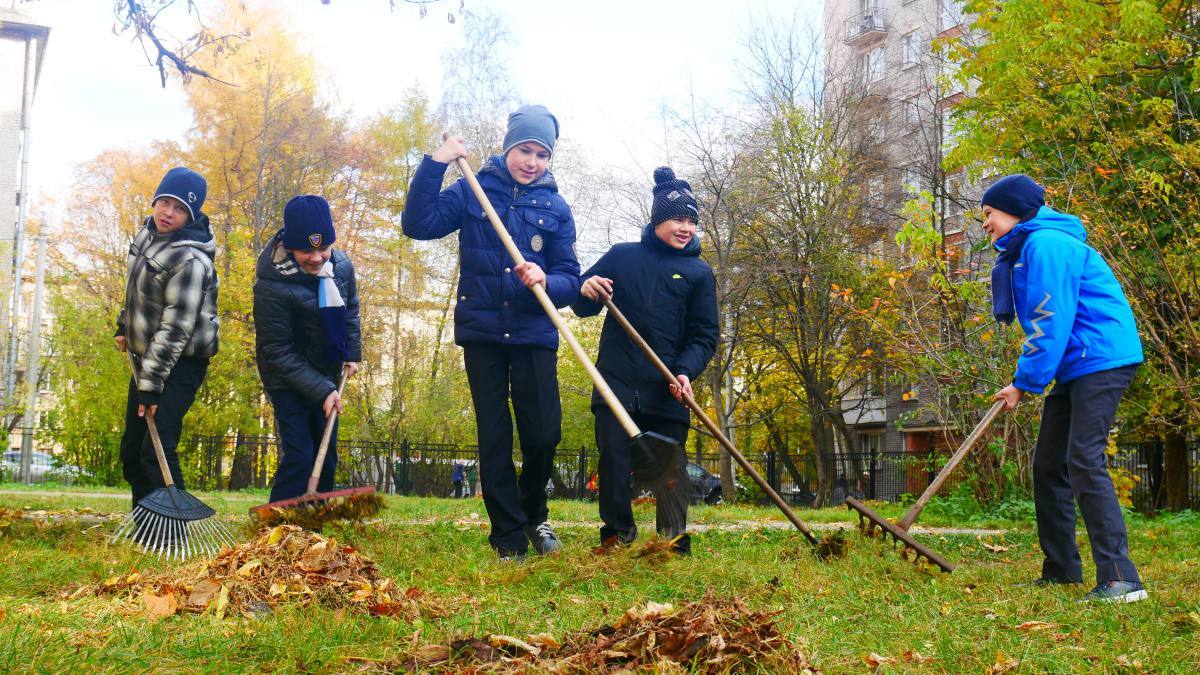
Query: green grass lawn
x,y
839,613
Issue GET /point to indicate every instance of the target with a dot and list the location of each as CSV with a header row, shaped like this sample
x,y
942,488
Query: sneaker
x,y
543,539
1116,591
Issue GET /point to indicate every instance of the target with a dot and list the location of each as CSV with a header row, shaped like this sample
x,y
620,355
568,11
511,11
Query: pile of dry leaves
x,y
314,515
707,636
284,565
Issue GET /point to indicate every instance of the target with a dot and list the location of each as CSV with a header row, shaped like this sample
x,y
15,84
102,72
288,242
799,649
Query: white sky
x,y
604,67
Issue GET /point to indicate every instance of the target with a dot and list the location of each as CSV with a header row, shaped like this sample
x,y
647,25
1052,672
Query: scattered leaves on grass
x,y
912,656
1030,626
876,661
314,515
831,546
710,635
1004,664
1182,623
283,565
1125,662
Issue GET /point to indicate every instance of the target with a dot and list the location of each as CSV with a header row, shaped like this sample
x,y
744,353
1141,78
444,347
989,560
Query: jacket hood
x,y
1046,219
276,264
496,167
651,241
196,234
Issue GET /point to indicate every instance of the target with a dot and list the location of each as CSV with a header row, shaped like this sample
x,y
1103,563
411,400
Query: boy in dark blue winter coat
x,y
668,293
507,339
306,332
1080,334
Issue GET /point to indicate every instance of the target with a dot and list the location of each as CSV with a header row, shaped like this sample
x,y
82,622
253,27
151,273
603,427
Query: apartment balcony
x,y
866,27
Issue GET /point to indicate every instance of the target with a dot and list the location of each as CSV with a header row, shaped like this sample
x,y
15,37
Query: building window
x,y
912,179
912,48
877,127
951,15
912,114
873,65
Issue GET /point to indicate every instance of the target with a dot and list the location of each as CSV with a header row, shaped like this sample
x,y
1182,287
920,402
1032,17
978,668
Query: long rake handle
x,y
539,292
155,439
325,438
914,511
708,423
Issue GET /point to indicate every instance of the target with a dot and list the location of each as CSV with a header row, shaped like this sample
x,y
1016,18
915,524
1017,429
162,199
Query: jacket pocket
x,y
540,225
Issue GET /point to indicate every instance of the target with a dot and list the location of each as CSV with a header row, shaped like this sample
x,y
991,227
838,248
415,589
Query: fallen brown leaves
x,y
284,565
313,515
711,635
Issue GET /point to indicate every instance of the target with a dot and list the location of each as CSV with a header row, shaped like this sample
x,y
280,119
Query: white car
x,y
43,468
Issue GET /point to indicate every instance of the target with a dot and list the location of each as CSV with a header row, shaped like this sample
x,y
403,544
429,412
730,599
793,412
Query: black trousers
x,y
1069,465
531,374
300,424
616,465
138,461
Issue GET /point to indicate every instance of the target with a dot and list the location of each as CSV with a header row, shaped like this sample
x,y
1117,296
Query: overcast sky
x,y
605,68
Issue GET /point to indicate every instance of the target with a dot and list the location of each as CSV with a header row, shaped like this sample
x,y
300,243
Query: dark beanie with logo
x,y
1017,195
183,184
531,123
307,223
673,198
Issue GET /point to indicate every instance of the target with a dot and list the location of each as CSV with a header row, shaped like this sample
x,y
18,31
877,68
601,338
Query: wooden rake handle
x,y
152,427
539,292
708,423
325,438
915,510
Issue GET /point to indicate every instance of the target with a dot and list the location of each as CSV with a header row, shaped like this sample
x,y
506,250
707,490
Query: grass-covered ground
x,y
845,615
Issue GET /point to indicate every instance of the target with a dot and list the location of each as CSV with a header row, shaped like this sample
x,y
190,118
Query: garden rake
x,y
709,424
170,522
313,509
656,458
872,524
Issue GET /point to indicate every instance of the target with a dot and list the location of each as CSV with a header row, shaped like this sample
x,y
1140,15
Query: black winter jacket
x,y
289,342
669,295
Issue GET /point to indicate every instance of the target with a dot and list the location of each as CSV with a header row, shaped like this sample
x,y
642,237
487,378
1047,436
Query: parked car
x,y
705,486
43,468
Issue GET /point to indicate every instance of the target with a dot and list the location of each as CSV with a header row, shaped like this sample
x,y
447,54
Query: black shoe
x,y
510,556
1116,592
543,539
682,545
618,540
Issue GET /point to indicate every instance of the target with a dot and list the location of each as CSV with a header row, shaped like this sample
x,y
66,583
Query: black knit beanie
x,y
673,198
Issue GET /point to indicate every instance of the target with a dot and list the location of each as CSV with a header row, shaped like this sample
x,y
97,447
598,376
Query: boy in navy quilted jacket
x,y
1080,335
306,333
509,344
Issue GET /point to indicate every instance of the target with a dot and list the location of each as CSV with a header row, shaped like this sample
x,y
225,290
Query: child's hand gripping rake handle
x,y
325,437
707,421
652,449
914,511
152,427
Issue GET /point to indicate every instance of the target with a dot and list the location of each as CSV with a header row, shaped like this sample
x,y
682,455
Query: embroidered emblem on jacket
x,y
536,243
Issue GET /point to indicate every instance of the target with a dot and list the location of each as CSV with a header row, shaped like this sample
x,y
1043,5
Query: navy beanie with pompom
x,y
673,198
307,223
1017,195
183,184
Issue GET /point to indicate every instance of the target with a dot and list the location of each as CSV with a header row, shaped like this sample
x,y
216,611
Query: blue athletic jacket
x,y
1074,313
494,307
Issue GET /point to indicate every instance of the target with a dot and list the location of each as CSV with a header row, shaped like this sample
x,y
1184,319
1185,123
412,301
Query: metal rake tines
x,y
173,537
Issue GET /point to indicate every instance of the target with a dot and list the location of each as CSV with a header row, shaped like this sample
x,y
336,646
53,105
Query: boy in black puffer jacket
x,y
306,330
669,295
169,324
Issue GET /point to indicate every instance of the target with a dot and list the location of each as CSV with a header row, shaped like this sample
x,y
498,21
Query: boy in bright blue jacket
x,y
1080,334
509,344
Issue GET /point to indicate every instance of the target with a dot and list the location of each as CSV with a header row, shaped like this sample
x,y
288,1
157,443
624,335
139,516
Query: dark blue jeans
x,y
531,374
300,423
1069,465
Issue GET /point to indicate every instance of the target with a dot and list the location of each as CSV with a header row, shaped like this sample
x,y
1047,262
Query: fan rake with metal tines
x,y
169,522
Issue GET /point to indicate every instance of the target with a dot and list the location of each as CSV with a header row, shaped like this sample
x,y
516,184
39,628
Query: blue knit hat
x,y
307,223
185,185
1017,195
531,123
673,198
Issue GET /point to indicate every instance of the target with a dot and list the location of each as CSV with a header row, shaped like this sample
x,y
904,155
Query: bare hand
x,y
683,387
452,148
143,408
351,367
596,289
1010,395
530,274
332,402
121,343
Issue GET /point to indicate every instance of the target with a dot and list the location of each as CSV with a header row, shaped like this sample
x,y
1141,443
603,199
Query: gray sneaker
x,y
543,539
1116,591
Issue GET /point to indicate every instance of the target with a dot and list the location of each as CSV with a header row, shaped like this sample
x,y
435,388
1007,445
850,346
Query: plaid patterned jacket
x,y
170,300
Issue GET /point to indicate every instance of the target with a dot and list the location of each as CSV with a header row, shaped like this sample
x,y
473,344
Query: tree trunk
x,y
1176,470
241,472
817,427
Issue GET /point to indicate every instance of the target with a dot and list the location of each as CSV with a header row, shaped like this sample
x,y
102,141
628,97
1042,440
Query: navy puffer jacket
x,y
494,307
669,295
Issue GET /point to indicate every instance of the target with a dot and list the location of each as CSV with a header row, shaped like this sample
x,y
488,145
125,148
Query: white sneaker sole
x,y
1134,596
